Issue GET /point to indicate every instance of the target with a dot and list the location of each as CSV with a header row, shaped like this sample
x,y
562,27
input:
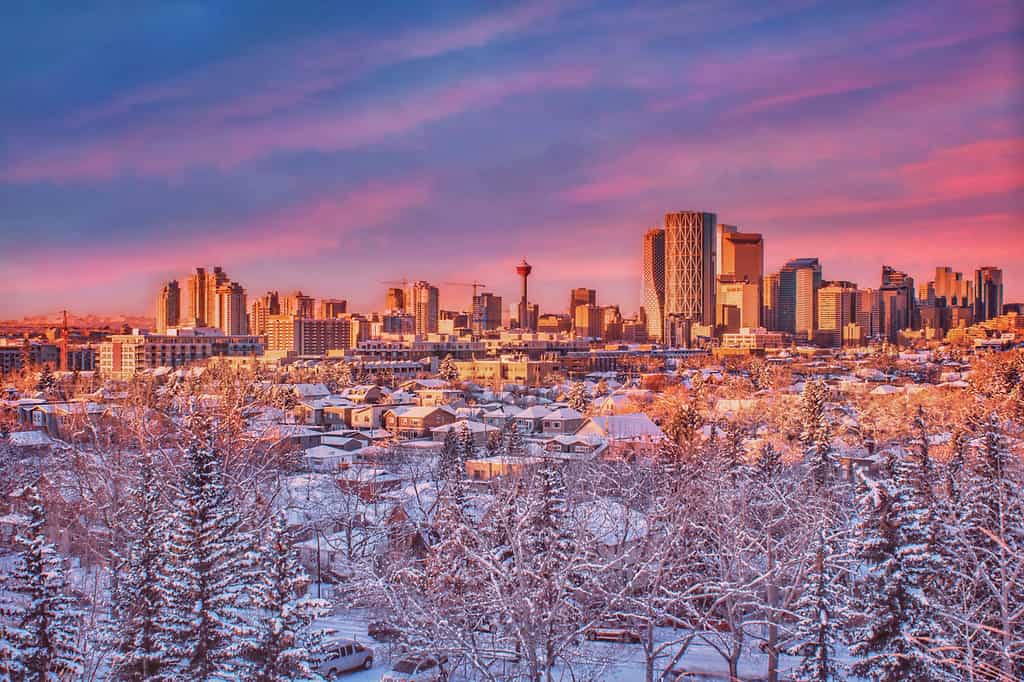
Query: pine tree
x,y
448,370
449,461
493,443
46,381
207,569
467,446
280,651
817,433
901,630
769,464
512,440
577,397
38,623
821,615
140,597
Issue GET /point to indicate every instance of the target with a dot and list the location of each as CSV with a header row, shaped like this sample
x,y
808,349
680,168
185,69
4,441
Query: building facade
x,y
654,283
690,257
168,306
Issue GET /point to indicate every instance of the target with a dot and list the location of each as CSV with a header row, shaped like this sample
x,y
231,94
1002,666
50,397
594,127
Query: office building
x,y
588,321
486,312
738,304
742,256
653,302
988,292
953,287
797,305
868,311
770,302
581,296
837,308
422,301
721,230
168,306
690,257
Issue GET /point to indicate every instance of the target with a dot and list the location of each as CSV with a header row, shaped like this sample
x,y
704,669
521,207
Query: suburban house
x,y
626,434
417,421
478,430
562,421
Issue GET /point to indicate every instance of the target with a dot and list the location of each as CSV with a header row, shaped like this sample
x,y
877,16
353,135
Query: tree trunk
x,y
773,627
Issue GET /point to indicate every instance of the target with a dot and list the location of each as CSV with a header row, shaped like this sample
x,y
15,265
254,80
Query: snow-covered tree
x,y
449,461
281,649
38,622
209,564
140,597
816,434
467,446
46,380
577,397
512,442
821,614
902,635
448,370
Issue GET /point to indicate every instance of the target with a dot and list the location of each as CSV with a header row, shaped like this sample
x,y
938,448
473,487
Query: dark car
x,y
382,631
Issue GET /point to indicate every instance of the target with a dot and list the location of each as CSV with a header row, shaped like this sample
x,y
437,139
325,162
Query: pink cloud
x,y
162,151
295,233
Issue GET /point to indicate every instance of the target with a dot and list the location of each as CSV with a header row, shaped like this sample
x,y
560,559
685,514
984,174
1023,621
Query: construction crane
x,y
474,284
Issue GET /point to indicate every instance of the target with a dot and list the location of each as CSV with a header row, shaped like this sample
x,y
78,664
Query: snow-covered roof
x,y
564,413
472,426
623,426
26,439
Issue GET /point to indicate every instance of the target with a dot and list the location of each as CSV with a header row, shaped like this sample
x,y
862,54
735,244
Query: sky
x,y
336,146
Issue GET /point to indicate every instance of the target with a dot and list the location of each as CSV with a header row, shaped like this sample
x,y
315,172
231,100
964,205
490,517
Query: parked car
x,y
382,631
601,633
343,655
418,669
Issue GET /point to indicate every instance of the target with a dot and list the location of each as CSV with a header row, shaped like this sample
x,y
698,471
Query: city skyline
x,y
265,146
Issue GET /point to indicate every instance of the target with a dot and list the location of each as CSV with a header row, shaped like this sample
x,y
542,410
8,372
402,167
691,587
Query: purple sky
x,y
330,150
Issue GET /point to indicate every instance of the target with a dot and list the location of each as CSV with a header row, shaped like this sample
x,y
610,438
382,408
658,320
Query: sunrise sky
x,y
330,150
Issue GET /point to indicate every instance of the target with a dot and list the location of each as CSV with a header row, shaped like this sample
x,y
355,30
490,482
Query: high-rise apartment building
x,y
422,300
205,305
299,305
581,296
797,309
988,292
196,285
329,308
486,312
308,336
654,283
229,312
168,306
394,300
263,307
690,258
837,308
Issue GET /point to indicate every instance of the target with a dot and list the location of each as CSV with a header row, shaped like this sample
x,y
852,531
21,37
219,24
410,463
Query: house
x,y
478,430
310,391
367,482
575,445
561,421
488,468
417,421
365,394
531,420
326,459
287,436
414,385
438,396
60,420
498,416
626,434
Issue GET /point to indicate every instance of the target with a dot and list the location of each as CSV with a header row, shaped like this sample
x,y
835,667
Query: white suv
x,y
343,655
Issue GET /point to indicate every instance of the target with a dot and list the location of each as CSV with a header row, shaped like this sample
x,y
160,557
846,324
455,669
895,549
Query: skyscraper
x,y
721,230
837,307
770,302
581,296
486,312
422,300
988,292
953,287
868,305
743,256
654,283
797,310
299,305
262,308
229,309
741,260
394,300
196,284
690,257
168,306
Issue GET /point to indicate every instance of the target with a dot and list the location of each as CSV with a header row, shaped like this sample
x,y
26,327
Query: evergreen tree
x,y
683,424
493,443
449,461
900,630
577,397
46,381
448,370
208,564
821,615
38,623
140,598
512,440
280,651
467,446
769,464
817,432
